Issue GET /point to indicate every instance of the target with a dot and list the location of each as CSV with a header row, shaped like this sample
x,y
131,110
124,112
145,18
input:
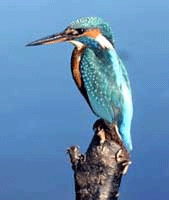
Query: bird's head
x,y
91,32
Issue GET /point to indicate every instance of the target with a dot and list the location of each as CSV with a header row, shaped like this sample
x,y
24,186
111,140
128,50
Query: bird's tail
x,y
125,133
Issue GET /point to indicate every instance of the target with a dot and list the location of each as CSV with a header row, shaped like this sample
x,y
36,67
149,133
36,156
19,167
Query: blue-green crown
x,y
94,22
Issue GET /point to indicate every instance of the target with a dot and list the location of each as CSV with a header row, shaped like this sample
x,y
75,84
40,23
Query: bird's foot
x,y
116,129
99,125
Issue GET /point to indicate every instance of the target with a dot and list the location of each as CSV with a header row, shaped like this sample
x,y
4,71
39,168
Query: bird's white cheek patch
x,y
78,44
104,42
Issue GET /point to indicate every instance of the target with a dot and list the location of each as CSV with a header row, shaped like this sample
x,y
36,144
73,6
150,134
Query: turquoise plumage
x,y
108,89
99,72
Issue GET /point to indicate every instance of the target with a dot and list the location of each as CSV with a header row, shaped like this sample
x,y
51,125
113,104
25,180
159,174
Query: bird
x,y
98,72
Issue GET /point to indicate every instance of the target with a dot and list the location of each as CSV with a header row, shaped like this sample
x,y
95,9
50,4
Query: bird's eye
x,y
71,31
80,30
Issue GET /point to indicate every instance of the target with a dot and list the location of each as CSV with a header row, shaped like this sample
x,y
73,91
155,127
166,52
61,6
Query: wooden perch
x,y
99,171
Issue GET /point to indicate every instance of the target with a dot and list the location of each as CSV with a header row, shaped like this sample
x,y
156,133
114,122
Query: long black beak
x,y
56,38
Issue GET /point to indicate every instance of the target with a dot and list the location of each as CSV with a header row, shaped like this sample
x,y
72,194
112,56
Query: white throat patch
x,y
104,42
78,44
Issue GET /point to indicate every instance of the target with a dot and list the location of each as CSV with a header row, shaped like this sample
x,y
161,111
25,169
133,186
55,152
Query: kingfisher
x,y
98,72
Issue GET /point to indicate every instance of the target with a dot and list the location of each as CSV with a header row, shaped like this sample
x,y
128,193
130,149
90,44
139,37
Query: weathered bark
x,y
99,171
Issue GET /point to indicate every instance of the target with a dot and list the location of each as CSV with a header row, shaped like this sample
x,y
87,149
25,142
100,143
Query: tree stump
x,y
99,171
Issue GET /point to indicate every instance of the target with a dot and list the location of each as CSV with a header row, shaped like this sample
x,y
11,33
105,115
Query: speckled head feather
x,y
94,22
